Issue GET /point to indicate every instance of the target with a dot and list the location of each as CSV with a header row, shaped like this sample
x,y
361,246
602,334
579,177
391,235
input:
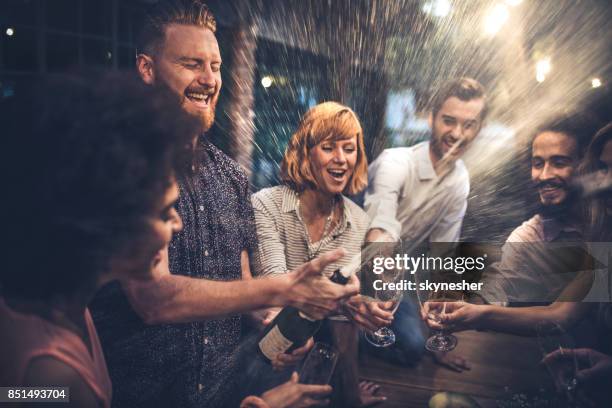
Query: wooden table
x,y
500,363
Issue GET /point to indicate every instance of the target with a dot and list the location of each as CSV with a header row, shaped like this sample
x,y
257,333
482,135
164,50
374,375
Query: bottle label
x,y
274,343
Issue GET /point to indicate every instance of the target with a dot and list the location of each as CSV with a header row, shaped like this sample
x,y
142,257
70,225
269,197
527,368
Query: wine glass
x,y
385,337
319,365
436,308
552,337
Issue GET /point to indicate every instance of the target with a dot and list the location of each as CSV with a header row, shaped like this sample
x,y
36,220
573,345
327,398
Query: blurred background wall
x,y
384,58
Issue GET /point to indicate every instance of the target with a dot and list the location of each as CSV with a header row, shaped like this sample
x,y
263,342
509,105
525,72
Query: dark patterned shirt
x,y
185,364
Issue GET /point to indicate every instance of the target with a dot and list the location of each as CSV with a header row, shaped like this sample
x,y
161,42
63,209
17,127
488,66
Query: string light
x,y
266,81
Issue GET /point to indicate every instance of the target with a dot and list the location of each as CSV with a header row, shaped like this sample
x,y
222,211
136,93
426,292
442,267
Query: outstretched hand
x,y
295,395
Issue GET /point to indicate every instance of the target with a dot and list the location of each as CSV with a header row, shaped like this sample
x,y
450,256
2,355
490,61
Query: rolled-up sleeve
x,y
270,255
386,178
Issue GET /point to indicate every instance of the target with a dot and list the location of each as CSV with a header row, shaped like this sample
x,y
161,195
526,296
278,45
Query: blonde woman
x,y
309,214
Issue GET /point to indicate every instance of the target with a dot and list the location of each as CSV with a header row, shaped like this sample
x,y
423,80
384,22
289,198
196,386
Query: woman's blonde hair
x,y
326,121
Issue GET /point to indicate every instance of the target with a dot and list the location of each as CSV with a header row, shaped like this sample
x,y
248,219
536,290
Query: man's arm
x,y
524,320
518,320
245,265
167,298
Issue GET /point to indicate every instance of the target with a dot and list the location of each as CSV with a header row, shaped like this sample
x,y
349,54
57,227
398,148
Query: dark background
x,y
375,56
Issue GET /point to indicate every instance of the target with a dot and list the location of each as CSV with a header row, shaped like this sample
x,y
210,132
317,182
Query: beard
x,y
563,210
206,118
436,146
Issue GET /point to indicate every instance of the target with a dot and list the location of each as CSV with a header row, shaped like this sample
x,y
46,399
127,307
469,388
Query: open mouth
x,y
200,99
451,143
337,174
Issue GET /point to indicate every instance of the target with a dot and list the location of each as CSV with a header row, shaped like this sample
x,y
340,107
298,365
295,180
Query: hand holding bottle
x,y
313,293
285,360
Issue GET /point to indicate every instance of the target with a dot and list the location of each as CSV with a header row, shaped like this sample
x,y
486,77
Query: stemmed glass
x,y
436,302
552,337
384,337
319,365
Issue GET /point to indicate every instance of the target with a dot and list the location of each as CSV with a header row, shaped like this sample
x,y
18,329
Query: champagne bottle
x,y
291,328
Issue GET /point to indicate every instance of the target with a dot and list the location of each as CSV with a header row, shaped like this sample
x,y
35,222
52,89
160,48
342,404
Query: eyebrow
x,y
190,59
561,157
554,157
198,60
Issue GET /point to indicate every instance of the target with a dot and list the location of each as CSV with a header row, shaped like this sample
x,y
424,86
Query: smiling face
x,y
332,163
454,126
189,63
553,162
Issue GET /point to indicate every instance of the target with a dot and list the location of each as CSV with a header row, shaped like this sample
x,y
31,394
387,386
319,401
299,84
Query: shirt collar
x,y
290,203
290,200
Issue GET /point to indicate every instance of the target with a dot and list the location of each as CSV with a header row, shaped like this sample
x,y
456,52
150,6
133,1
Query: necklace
x,y
328,223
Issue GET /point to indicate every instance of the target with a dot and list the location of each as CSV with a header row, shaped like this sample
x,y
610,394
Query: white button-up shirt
x,y
407,199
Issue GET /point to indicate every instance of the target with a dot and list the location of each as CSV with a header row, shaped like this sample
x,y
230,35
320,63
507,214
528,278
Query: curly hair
x,y
328,120
89,158
166,12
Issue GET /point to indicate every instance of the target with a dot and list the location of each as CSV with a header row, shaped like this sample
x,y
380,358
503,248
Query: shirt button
x,y
206,252
201,208
200,387
206,341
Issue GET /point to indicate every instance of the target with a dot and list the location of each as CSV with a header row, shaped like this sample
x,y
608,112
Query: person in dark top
x,y
92,191
162,346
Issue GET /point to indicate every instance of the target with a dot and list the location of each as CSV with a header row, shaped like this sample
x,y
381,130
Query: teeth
x,y
336,173
198,96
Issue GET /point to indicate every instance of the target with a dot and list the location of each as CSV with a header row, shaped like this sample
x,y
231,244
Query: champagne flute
x,y
552,337
436,308
385,337
319,365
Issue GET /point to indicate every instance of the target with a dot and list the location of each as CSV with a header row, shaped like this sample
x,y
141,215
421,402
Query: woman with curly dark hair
x,y
91,160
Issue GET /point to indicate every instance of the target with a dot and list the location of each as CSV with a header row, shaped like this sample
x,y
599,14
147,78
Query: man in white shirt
x,y
419,194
